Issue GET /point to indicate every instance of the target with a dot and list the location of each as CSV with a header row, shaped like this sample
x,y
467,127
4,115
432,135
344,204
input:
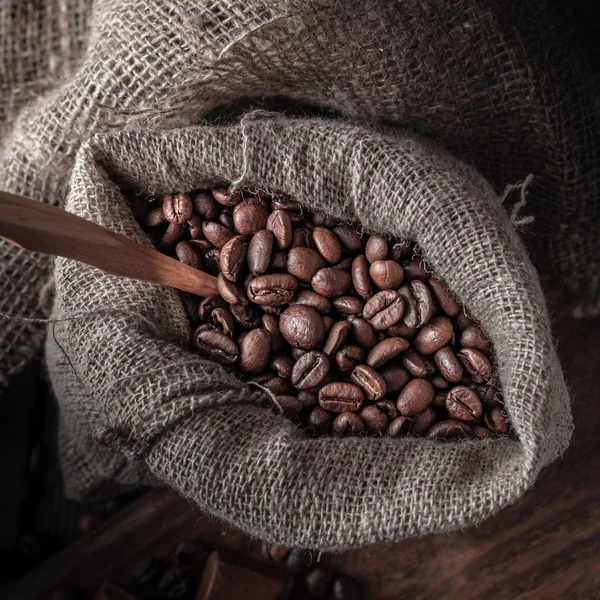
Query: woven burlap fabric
x,y
495,82
127,383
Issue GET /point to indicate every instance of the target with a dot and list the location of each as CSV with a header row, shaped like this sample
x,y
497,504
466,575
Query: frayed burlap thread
x,y
187,422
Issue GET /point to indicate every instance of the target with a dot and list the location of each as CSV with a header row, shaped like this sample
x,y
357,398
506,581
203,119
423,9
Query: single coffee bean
x,y
402,330
216,345
435,335
274,552
348,424
370,381
341,397
224,321
410,317
347,358
155,217
386,350
229,291
327,244
336,337
211,261
271,324
424,421
362,333
278,260
302,327
308,399
218,235
320,219
178,208
495,420
384,309
463,404
245,315
348,305
349,237
415,397
473,337
259,251
361,278
222,196
314,300
287,204
462,320
388,408
400,426
278,386
205,206
331,282
401,251
310,370
386,274
303,238
171,237
280,224
481,432
416,269
444,297
450,430
195,227
249,218
202,245
475,364
439,400
320,581
345,264
255,351
303,263
226,218
417,365
233,258
327,325
448,364
395,377
488,394
290,405
273,289
374,418
282,364
345,589
376,248
423,300
297,353
439,383
319,421
188,255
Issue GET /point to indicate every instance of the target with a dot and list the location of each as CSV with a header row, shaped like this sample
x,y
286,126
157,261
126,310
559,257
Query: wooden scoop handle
x,y
44,228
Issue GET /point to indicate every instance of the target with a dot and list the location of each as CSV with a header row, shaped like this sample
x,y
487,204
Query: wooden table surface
x,y
545,547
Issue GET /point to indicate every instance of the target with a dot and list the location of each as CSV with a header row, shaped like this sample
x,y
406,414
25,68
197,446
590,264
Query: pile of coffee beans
x,y
351,332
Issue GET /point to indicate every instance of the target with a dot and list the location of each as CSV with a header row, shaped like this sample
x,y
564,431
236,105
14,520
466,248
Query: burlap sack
x,y
127,383
499,83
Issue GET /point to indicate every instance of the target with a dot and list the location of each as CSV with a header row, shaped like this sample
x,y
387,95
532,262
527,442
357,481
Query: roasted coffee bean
x,y
386,274
271,324
205,206
172,236
410,317
362,333
302,327
233,258
435,335
327,325
386,350
448,364
402,330
401,251
400,426
481,432
488,394
439,400
450,430
327,244
303,238
249,218
473,337
320,219
350,239
348,357
229,291
211,261
290,405
370,381
336,337
331,283
348,305
384,309
388,408
415,397
314,300
218,235
282,364
226,218
207,305
255,351
395,377
463,404
416,269
341,397
273,289
310,370
475,364
195,227
297,353
319,421
462,321
345,264
439,383
375,420
495,420
224,321
361,278
320,580
202,245
278,260
280,224
445,299
178,208
155,217
279,386
222,196
348,424
216,345
424,302
245,315
259,251
303,263
275,552
345,589
417,365
376,248
287,204
308,399
424,421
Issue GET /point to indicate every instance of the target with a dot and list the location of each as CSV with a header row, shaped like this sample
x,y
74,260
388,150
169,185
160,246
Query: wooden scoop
x,y
43,228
